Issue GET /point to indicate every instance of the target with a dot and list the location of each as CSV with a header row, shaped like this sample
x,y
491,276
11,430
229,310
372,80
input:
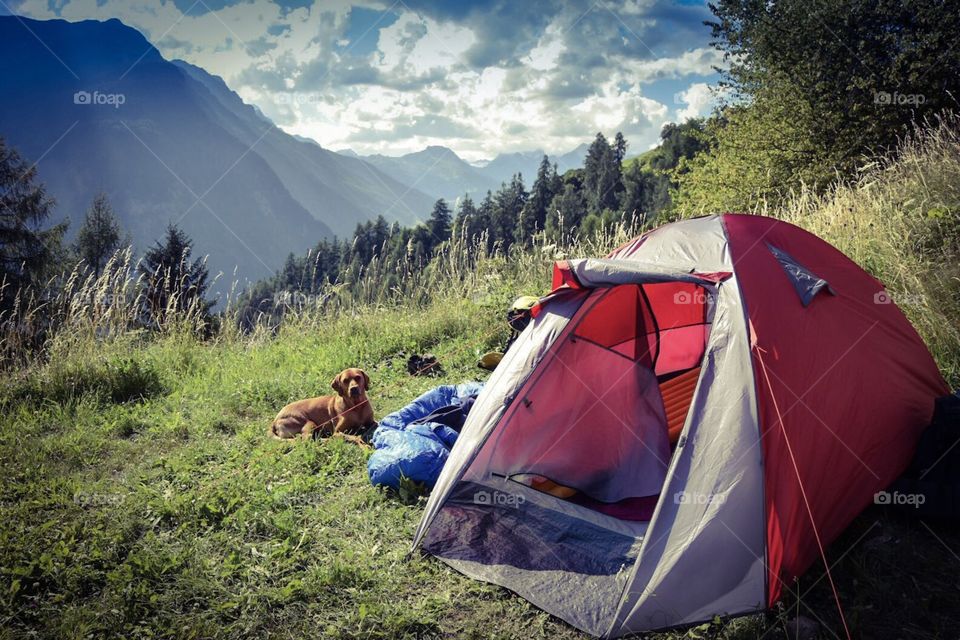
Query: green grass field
x,y
141,498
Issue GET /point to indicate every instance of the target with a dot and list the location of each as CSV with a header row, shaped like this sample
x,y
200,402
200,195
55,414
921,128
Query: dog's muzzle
x,y
355,392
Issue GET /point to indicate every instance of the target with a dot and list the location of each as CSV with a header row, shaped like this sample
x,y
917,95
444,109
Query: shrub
x,y
115,379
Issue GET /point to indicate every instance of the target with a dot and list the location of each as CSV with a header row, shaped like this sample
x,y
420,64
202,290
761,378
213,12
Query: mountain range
x,y
97,108
440,173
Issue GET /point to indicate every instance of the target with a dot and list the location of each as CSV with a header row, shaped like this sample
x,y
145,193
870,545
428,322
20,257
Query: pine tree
x,y
464,225
439,224
644,194
619,148
485,221
173,282
566,212
27,251
619,154
533,217
326,266
363,243
508,203
99,236
601,180
419,246
380,235
291,274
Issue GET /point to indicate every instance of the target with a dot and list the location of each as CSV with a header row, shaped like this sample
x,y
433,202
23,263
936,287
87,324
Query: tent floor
x,y
503,522
568,560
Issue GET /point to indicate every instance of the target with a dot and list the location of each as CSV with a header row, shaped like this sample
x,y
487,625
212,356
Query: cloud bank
x,y
482,77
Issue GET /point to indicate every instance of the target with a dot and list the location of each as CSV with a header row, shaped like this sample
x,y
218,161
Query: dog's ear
x,y
366,379
335,385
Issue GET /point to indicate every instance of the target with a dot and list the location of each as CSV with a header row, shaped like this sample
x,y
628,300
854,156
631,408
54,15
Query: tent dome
x,y
682,427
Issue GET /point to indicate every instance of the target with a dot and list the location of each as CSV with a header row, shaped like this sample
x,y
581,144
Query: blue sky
x,y
481,77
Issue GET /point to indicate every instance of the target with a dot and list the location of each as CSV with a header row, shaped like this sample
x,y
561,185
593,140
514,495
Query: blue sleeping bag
x,y
409,444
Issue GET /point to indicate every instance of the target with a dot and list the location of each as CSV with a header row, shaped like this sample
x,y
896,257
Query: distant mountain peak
x,y
536,153
441,173
437,151
181,148
82,46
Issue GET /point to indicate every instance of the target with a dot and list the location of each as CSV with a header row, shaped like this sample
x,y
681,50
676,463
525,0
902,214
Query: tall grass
x,y
463,268
900,220
83,308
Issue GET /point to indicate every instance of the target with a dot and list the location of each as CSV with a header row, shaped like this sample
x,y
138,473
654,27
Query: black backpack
x,y
931,485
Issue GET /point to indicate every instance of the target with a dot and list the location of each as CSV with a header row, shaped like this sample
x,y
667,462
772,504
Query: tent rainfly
x,y
683,427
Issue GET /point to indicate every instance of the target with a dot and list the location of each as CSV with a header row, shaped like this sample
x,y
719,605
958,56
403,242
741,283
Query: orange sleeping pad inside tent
x,y
677,395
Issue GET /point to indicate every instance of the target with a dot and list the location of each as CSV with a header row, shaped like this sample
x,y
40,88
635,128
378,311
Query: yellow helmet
x,y
519,314
489,361
524,303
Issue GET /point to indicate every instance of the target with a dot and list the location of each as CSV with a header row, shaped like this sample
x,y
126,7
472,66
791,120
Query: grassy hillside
x,y
142,498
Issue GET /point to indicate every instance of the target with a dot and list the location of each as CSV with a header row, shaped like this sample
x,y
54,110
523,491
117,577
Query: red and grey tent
x,y
683,427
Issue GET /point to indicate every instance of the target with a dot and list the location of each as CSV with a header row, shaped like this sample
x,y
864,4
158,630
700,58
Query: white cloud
x,y
699,98
545,55
619,109
420,44
417,87
695,62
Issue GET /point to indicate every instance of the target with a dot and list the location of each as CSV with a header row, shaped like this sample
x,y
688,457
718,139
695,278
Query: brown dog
x,y
344,414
